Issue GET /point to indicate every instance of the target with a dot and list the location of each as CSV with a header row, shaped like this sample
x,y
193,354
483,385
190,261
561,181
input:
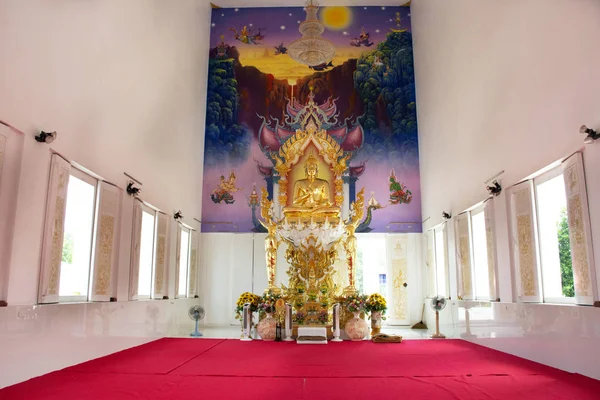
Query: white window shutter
x,y
488,210
161,256
579,230
136,236
193,274
106,249
463,257
177,260
54,225
524,243
430,264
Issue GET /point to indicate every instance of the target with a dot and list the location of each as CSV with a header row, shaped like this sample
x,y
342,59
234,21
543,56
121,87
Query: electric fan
x,y
196,313
438,303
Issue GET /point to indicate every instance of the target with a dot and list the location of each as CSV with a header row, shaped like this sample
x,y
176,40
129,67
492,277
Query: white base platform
x,y
312,331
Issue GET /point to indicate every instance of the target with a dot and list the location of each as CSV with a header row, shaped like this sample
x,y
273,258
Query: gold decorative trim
x,y
57,241
160,263
578,247
104,258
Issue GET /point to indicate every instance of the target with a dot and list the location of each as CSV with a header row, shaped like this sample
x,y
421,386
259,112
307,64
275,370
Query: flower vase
x,y
267,328
356,328
375,322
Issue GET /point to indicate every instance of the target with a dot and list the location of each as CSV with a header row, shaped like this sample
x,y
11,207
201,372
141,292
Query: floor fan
x,y
196,313
438,303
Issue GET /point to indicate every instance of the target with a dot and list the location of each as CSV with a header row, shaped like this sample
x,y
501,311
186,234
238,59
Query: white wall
x,y
232,263
123,84
506,86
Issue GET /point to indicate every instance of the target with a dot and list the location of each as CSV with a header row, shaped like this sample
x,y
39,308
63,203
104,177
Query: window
x,y
149,253
184,262
553,235
549,218
147,242
441,276
79,223
480,256
475,253
372,264
78,249
437,263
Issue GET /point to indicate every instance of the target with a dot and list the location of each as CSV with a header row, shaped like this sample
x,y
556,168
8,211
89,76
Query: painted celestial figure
x,y
224,192
398,192
364,39
247,35
281,49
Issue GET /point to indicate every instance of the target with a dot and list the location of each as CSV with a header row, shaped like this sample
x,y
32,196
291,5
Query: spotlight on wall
x,y
446,216
178,215
495,189
132,190
46,137
592,135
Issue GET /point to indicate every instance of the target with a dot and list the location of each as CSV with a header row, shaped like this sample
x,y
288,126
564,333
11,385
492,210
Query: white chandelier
x,y
311,49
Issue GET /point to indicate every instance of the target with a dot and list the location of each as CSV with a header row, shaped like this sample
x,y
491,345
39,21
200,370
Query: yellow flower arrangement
x,y
376,302
246,297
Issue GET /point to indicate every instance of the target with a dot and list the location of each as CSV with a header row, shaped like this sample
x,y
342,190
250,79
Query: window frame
x,y
545,176
477,210
443,227
95,182
383,237
150,210
181,228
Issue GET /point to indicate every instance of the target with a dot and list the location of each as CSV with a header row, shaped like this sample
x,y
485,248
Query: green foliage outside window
x,y
564,250
67,251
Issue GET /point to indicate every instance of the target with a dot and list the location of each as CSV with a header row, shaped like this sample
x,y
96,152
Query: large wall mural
x,y
365,98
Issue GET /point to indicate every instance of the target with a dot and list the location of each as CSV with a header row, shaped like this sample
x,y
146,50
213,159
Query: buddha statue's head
x,y
311,167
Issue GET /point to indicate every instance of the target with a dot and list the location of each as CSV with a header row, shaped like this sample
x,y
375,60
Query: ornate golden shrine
x,y
310,165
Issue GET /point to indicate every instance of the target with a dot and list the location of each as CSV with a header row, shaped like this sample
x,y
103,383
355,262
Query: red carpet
x,y
230,369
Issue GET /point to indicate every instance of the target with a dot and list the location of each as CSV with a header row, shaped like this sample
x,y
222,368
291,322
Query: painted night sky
x,y
373,87
280,25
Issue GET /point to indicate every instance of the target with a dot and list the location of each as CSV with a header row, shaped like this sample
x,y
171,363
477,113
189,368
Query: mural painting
x,y
364,97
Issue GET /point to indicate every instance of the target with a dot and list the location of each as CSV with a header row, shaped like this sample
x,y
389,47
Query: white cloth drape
x,y
161,256
54,225
524,243
177,261
193,274
463,255
579,230
488,209
430,264
106,249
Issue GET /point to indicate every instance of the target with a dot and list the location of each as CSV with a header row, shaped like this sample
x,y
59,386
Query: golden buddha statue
x,y
312,195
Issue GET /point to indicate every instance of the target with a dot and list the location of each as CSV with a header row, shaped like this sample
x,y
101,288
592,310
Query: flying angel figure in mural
x,y
224,192
364,39
398,191
281,49
247,36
